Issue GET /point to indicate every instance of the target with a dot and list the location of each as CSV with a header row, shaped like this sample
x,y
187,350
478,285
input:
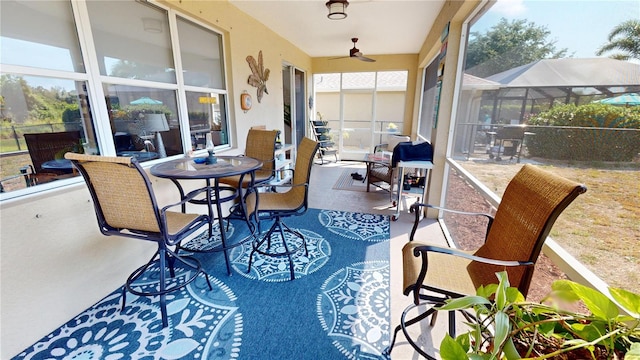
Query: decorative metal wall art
x,y
259,75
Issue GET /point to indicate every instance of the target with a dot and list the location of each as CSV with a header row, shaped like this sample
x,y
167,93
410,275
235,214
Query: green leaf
x,y
451,350
563,290
464,303
486,291
633,353
465,341
501,291
514,295
628,300
590,331
502,329
599,305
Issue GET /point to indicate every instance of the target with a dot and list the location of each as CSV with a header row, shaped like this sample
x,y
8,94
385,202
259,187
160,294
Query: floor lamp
x,y
157,123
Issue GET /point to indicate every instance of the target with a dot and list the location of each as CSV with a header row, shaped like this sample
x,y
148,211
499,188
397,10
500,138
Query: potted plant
x,y
509,327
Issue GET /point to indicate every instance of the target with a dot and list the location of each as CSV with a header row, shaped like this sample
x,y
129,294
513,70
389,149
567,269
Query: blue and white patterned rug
x,y
336,308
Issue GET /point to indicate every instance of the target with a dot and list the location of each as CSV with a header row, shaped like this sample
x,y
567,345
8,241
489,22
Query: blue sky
x,y
580,26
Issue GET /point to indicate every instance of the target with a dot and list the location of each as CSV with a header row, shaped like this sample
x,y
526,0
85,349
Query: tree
x,y
508,45
624,38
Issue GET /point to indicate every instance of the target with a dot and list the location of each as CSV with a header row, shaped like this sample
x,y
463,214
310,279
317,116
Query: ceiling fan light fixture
x,y
337,9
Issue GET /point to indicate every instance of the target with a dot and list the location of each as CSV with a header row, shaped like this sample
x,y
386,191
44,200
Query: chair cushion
x,y
260,177
382,173
177,221
446,272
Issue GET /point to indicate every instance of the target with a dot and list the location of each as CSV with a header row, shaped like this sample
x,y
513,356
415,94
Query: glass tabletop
x,y
189,168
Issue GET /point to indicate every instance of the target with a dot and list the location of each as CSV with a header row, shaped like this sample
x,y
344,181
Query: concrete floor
x,y
323,196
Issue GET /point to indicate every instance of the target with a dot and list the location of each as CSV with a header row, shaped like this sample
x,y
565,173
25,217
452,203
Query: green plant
x,y
509,327
586,132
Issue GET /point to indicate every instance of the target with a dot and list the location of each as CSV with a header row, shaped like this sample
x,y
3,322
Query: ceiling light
x,y
337,9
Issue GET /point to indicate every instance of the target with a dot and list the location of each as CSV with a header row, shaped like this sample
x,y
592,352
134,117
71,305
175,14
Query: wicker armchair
x,y
275,206
44,147
385,173
530,205
125,205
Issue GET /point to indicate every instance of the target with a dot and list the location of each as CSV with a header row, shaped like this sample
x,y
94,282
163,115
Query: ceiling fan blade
x,y
363,58
339,57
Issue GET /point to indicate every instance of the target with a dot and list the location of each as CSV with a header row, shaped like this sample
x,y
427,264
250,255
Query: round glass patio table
x,y
190,169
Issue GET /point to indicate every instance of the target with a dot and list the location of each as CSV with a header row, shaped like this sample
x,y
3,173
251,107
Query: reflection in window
x,y
200,50
144,121
139,47
53,44
42,119
206,114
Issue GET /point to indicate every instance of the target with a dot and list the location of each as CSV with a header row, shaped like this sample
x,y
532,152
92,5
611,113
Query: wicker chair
x,y
44,147
530,205
385,173
261,145
275,206
125,205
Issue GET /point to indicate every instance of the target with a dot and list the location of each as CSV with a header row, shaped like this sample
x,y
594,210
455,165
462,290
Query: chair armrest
x,y
422,251
255,188
190,196
416,209
380,146
419,250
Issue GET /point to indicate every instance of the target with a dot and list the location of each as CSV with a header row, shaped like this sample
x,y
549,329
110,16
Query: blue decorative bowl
x,y
200,160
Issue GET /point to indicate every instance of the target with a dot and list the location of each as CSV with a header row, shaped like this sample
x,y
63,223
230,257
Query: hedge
x,y
596,132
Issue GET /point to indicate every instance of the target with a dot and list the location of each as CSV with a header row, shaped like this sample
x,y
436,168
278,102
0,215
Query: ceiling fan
x,y
355,53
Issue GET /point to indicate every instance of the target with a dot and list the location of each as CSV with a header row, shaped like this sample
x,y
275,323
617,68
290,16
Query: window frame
x,y
95,81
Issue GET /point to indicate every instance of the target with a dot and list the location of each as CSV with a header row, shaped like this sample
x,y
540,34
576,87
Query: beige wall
x,y
55,263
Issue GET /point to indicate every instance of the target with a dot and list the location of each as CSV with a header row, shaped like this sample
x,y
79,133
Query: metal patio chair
x,y
531,203
125,205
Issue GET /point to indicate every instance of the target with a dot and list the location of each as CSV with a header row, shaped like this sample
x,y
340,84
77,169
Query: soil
x,y
469,232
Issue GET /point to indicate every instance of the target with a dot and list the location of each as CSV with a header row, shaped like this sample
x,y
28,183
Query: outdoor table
x,y
187,169
61,165
385,159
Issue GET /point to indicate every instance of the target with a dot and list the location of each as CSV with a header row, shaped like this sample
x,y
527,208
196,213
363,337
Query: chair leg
x,y
282,228
166,258
403,326
163,286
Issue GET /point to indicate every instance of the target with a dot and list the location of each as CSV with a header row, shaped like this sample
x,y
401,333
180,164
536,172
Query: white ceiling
x,y
383,26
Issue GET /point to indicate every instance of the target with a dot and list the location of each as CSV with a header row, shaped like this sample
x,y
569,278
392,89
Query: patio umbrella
x,y
632,99
146,100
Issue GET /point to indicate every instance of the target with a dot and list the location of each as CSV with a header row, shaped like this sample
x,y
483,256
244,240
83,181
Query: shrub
x,y
588,132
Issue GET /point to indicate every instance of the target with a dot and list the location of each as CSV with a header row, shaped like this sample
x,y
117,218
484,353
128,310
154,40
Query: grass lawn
x,y
601,228
9,145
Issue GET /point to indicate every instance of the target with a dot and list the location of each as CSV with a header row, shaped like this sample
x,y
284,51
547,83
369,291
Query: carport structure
x,y
536,87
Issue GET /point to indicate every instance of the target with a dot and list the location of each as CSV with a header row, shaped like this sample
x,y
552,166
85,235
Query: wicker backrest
x,y
261,145
121,192
49,146
307,150
531,203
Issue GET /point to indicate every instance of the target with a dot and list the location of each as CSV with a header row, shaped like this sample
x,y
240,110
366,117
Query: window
x,y
43,90
202,68
139,47
361,108
556,98
157,94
